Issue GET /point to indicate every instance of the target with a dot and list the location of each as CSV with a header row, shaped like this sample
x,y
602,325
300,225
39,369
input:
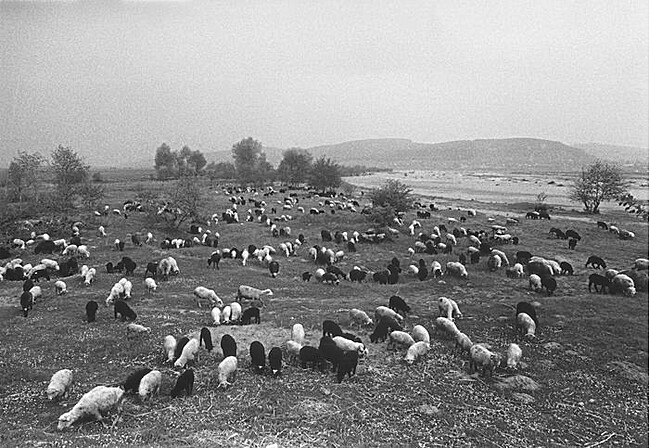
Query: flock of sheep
x,y
341,350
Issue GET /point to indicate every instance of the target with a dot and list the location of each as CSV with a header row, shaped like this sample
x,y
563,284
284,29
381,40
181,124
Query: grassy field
x,y
588,366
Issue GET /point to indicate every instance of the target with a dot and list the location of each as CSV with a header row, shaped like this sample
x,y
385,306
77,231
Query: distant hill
x,y
622,154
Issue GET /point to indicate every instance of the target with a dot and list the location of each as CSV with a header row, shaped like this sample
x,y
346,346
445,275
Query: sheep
x,y
436,269
623,283
248,292
528,308
526,326
60,287
36,292
128,286
235,312
596,262
228,346
513,355
481,357
463,342
185,382
415,351
360,317
347,365
550,284
189,353
626,235
494,262
610,274
346,344
203,294
169,345
274,268
89,276
135,329
446,308
120,307
60,384
150,385
399,338
91,310
82,251
641,264
94,403
382,311
227,372
116,291
397,304
151,285
69,250
516,271
293,349
566,267
206,338
501,255
298,334
535,282
456,269
250,316
225,314
275,361
312,355
419,333
446,325
258,356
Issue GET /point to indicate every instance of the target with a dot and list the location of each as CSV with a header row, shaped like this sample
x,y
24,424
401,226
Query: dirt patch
x,y
517,382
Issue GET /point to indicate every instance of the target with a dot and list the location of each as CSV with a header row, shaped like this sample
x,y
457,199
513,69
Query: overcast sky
x,y
114,79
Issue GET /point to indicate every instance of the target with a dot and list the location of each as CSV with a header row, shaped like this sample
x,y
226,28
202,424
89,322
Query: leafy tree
x,y
173,164
69,172
23,175
633,206
325,174
597,183
393,194
166,163
91,194
221,170
248,155
295,166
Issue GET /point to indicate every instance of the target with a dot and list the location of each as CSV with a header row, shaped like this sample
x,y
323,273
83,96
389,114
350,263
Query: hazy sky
x,y
114,79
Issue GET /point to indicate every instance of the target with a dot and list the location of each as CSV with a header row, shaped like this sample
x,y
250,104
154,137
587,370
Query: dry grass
x,y
590,361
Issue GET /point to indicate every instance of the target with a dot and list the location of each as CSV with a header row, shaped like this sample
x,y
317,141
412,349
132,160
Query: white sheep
x,y
385,311
94,403
436,268
60,384
494,263
216,315
90,276
456,269
293,349
518,269
481,357
235,311
473,239
61,287
227,372
526,325
169,344
419,333
101,231
50,264
513,355
82,251
36,292
173,265
71,249
445,308
463,342
128,286
298,333
189,353
350,346
624,284
116,291
225,314
451,239
150,385
136,329
555,266
413,270
641,264
399,338
502,255
151,285
446,325
535,282
360,317
202,294
248,292
415,351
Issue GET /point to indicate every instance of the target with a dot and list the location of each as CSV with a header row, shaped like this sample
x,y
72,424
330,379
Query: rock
x,y
523,398
428,409
518,382
552,346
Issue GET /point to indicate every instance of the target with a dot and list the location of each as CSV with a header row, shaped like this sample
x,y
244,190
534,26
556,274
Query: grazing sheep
x,y
573,243
596,262
89,276
206,339
525,325
494,263
463,342
258,356
275,361
306,276
528,308
169,345
124,310
436,269
567,269
180,345
456,269
626,235
227,372
132,382
610,274
312,355
235,312
481,357
248,292
225,314
203,294
346,344
150,284
150,385
623,283
641,264
185,382
91,310
251,316
136,329
382,311
298,334
36,292
116,292
397,304
189,353
60,287
501,255
448,308
94,403
597,280
60,384
399,338
446,326
274,268
293,349
216,316
513,355
419,333
347,365
550,284
128,286
381,332
228,346
535,282
417,350
360,317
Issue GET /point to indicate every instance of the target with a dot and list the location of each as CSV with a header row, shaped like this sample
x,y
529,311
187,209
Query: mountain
x,y
621,154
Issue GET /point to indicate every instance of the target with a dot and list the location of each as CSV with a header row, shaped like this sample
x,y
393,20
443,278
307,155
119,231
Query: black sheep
x,y
306,276
527,308
330,351
28,284
26,302
206,338
351,246
549,283
41,273
274,268
228,346
258,356
397,304
132,382
124,310
572,244
395,262
357,275
250,315
393,324
120,245
602,225
596,262
275,361
347,365
309,354
135,239
129,265
462,259
423,272
331,328
381,332
45,247
523,257
152,268
567,269
475,257
336,271
109,268
597,280
75,240
351,337
185,382
326,235
328,277
572,234
91,310
179,346
393,274
214,259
